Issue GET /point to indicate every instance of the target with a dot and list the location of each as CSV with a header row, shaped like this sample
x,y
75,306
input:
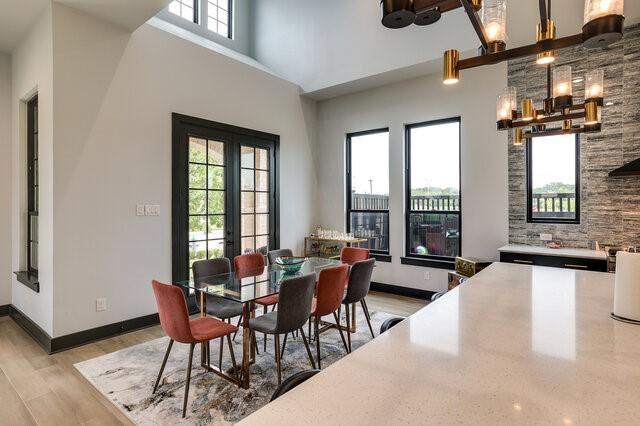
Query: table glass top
x,y
254,284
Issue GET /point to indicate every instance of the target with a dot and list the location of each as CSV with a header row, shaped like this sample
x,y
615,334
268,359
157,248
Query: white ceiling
x,y
18,16
15,20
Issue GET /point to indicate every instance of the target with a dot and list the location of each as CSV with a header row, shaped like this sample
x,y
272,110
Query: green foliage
x,y
554,188
434,190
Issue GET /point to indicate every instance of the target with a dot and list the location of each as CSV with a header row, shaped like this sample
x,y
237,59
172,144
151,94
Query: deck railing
x,y
418,202
559,204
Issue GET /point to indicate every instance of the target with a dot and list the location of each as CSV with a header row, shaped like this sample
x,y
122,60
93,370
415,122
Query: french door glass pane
x,y
216,249
262,159
197,201
262,224
215,227
262,243
248,245
247,225
216,202
197,227
216,153
246,157
246,202
197,176
262,181
247,180
262,202
215,177
197,150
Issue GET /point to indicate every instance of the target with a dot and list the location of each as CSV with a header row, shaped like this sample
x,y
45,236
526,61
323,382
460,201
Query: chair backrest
x,y
331,283
359,280
293,381
172,309
274,254
294,302
247,264
211,267
350,255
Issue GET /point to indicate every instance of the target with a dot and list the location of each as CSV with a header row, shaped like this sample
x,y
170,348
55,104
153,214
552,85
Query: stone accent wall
x,y
610,207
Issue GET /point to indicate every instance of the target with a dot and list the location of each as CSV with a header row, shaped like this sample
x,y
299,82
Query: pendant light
x,y
494,19
603,22
562,87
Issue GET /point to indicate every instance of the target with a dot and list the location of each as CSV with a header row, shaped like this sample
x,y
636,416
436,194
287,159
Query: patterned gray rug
x,y
126,377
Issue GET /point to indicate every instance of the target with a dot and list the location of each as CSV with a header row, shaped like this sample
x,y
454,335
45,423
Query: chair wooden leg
x,y
344,342
318,343
366,316
186,388
265,334
233,359
310,328
284,344
208,352
254,345
164,362
306,345
276,347
346,308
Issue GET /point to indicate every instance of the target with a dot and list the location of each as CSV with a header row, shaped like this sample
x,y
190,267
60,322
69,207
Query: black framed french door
x,y
224,195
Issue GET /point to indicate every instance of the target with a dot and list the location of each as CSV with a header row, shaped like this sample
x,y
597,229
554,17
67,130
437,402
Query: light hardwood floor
x,y
36,388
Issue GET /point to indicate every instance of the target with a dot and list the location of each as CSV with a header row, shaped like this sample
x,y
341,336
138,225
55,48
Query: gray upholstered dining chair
x,y
294,308
357,290
219,307
274,254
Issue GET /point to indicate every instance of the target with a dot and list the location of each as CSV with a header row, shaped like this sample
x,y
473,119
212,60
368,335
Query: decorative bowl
x,y
290,264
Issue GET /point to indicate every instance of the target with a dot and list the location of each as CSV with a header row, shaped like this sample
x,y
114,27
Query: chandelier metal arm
x,y
476,23
544,13
518,52
548,119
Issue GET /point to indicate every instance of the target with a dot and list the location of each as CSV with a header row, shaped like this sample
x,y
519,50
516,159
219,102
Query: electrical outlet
x,y
101,304
139,209
427,276
546,237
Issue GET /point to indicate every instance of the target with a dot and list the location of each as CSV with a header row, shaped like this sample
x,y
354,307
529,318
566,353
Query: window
x,y
433,218
186,9
204,16
224,192
29,276
553,179
368,188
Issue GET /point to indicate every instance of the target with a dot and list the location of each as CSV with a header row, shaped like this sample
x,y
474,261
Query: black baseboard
x,y
83,337
33,329
402,291
57,344
5,310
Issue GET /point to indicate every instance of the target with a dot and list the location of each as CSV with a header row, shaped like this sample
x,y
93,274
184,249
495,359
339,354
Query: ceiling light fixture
x,y
603,25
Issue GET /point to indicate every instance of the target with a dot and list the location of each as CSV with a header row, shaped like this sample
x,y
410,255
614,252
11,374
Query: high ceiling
x,y
19,15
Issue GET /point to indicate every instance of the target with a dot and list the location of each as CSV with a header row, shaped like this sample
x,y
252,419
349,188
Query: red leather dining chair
x,y
350,255
329,296
246,265
174,319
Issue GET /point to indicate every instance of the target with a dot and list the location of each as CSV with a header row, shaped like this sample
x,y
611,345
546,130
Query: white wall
x,y
114,97
5,179
483,153
323,43
31,64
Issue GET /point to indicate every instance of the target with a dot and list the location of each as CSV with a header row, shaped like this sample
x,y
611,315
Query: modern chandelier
x,y
603,25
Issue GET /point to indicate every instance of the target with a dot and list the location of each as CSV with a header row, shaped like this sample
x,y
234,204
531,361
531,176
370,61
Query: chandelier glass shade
x,y
494,19
594,9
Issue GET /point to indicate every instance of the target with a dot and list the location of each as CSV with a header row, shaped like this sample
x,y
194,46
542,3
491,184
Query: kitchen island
x,y
514,344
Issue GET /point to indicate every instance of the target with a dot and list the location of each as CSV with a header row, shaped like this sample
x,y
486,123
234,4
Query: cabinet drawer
x,y
577,263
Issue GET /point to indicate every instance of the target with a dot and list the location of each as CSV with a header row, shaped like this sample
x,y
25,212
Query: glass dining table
x,y
245,289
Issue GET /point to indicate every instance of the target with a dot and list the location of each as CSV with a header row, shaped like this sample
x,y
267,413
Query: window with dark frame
x,y
32,186
433,197
553,179
368,188
213,15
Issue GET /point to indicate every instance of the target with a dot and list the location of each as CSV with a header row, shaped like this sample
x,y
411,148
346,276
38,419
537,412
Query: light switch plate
x,y
152,210
139,209
546,237
101,304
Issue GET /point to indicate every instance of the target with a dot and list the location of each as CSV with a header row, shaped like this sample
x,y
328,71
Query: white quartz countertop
x,y
515,344
563,251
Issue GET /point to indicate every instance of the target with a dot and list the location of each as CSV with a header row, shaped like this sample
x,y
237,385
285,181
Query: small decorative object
x,y
421,250
554,244
626,294
469,266
290,265
455,279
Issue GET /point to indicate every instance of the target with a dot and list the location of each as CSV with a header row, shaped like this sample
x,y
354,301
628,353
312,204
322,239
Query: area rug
x,y
126,377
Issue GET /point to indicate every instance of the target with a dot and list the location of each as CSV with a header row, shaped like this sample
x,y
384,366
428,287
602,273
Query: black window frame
x,y
29,277
432,261
529,184
381,255
199,23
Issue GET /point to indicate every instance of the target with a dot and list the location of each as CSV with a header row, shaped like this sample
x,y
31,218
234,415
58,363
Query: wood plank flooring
x,y
41,389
